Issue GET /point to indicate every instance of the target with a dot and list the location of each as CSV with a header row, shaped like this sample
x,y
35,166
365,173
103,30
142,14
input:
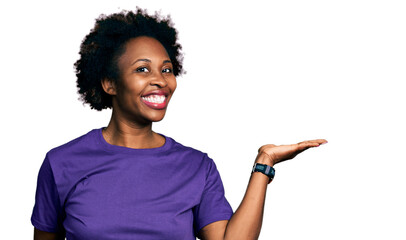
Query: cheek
x,y
132,88
173,85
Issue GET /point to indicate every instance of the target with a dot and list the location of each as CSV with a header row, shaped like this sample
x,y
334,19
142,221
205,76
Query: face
x,y
147,81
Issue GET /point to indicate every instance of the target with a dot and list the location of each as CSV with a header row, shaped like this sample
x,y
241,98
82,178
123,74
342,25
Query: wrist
x,y
264,169
264,158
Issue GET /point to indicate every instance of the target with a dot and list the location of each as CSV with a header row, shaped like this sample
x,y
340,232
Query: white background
x,y
277,72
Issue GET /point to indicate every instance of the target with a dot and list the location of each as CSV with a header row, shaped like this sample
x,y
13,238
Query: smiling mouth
x,y
155,101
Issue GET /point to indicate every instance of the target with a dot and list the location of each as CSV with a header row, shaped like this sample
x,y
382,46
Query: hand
x,y
271,154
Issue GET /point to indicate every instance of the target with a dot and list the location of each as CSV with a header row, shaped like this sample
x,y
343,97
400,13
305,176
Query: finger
x,y
309,144
318,141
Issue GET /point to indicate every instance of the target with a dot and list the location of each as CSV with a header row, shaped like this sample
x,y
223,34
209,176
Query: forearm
x,y
41,235
247,220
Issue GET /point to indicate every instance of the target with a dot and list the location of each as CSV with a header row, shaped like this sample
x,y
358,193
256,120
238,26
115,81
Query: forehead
x,y
144,47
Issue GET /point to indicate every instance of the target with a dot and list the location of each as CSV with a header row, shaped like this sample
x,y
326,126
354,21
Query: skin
x,y
40,235
145,66
247,220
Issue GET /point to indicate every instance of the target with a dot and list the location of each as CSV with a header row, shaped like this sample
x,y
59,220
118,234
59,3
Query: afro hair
x,y
105,43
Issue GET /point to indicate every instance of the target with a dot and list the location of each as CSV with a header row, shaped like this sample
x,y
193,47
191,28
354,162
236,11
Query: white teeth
x,y
154,98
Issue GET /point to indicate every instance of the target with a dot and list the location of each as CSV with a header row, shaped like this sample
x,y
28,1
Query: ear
x,y
109,86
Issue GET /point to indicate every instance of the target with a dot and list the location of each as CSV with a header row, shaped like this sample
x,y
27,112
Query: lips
x,y
156,99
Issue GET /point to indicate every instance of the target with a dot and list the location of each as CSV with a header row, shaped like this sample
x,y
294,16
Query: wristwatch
x,y
265,169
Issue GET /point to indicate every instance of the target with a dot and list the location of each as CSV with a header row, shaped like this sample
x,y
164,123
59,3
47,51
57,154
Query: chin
x,y
157,118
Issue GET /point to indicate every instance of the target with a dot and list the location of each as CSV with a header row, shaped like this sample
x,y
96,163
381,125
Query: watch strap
x,y
265,169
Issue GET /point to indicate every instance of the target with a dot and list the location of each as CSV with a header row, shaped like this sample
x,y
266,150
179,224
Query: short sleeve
x,y
213,204
47,214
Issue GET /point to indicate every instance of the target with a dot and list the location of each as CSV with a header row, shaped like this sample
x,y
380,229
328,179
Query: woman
x,y
126,181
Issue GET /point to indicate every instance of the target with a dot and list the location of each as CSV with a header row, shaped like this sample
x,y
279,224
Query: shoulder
x,y
179,147
82,143
73,160
190,153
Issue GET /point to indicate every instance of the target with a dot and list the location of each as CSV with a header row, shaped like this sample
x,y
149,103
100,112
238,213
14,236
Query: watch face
x,y
265,169
261,167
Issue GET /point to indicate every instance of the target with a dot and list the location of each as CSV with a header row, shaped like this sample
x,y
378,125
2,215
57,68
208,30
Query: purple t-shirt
x,y
94,190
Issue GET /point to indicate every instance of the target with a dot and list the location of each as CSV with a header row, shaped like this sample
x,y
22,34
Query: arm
x,y
41,235
47,213
247,220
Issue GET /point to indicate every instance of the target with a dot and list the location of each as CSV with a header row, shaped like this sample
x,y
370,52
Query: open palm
x,y
282,153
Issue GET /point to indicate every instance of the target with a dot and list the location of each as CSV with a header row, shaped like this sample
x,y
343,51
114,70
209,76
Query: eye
x,y
142,69
167,70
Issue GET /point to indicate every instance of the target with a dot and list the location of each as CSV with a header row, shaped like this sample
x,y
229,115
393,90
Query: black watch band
x,y
265,169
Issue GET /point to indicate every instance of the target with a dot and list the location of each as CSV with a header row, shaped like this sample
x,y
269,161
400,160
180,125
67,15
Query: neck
x,y
131,134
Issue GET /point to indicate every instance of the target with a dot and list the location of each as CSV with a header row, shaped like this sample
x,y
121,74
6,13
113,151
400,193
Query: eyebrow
x,y
142,59
147,60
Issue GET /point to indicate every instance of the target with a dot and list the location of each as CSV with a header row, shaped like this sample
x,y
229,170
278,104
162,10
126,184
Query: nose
x,y
158,79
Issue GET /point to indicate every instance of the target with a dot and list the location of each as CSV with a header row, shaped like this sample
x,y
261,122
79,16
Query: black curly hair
x,y
105,43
